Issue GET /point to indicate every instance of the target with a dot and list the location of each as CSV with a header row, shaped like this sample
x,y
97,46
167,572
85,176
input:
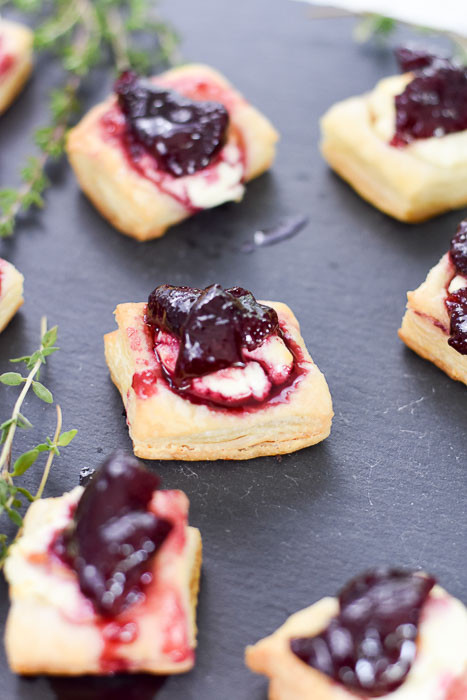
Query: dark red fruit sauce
x,y
458,250
183,135
370,645
212,324
114,536
456,303
434,103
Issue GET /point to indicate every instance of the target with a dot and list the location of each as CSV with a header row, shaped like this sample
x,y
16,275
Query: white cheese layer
x,y
459,282
214,185
270,363
234,383
30,581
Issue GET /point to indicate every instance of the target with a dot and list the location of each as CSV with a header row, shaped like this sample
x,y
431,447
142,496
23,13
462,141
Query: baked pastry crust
x,y
413,183
134,204
16,41
425,326
42,635
292,679
11,292
167,426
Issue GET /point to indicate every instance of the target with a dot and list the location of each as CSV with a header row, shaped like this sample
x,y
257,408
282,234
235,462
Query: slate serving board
x,y
388,486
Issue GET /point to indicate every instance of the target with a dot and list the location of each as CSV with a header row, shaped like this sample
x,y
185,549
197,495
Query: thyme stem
x,y
45,474
5,455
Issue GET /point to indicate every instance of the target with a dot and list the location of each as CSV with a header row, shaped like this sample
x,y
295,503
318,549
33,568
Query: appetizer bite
x,y
389,634
105,579
435,323
163,148
15,60
214,374
403,146
11,292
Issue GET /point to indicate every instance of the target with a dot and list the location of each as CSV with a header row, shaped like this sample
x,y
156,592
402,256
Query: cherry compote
x,y
114,536
212,325
434,103
370,645
456,302
183,135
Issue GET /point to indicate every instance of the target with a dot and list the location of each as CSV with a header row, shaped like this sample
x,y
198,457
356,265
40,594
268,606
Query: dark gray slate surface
x,y
388,486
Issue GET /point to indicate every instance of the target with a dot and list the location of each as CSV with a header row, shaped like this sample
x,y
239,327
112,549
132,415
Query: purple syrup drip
x,y
287,228
370,645
113,536
183,135
212,324
434,103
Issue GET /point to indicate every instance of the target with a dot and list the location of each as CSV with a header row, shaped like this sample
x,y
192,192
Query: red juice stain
x,y
114,634
176,643
6,59
144,383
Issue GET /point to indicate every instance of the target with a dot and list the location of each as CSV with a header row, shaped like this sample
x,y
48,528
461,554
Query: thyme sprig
x,y
10,492
82,34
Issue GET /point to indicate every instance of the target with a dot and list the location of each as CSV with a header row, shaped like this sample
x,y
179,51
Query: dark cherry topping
x,y
456,304
212,324
183,135
434,103
114,536
412,58
370,645
458,251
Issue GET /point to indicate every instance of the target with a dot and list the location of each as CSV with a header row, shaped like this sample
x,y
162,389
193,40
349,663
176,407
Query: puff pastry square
x,y
413,183
439,671
143,208
425,326
52,627
164,425
15,60
11,292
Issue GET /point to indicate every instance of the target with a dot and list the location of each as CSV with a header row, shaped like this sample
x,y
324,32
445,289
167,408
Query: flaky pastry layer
x,y
11,292
16,41
412,183
441,662
134,204
51,627
167,426
425,326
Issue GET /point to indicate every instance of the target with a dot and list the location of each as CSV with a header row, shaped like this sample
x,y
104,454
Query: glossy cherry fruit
x,y
183,135
370,645
114,536
212,324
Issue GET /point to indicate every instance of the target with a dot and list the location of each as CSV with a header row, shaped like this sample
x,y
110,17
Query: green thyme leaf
x,y
24,358
66,438
23,422
12,378
14,516
23,463
42,392
25,493
50,338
